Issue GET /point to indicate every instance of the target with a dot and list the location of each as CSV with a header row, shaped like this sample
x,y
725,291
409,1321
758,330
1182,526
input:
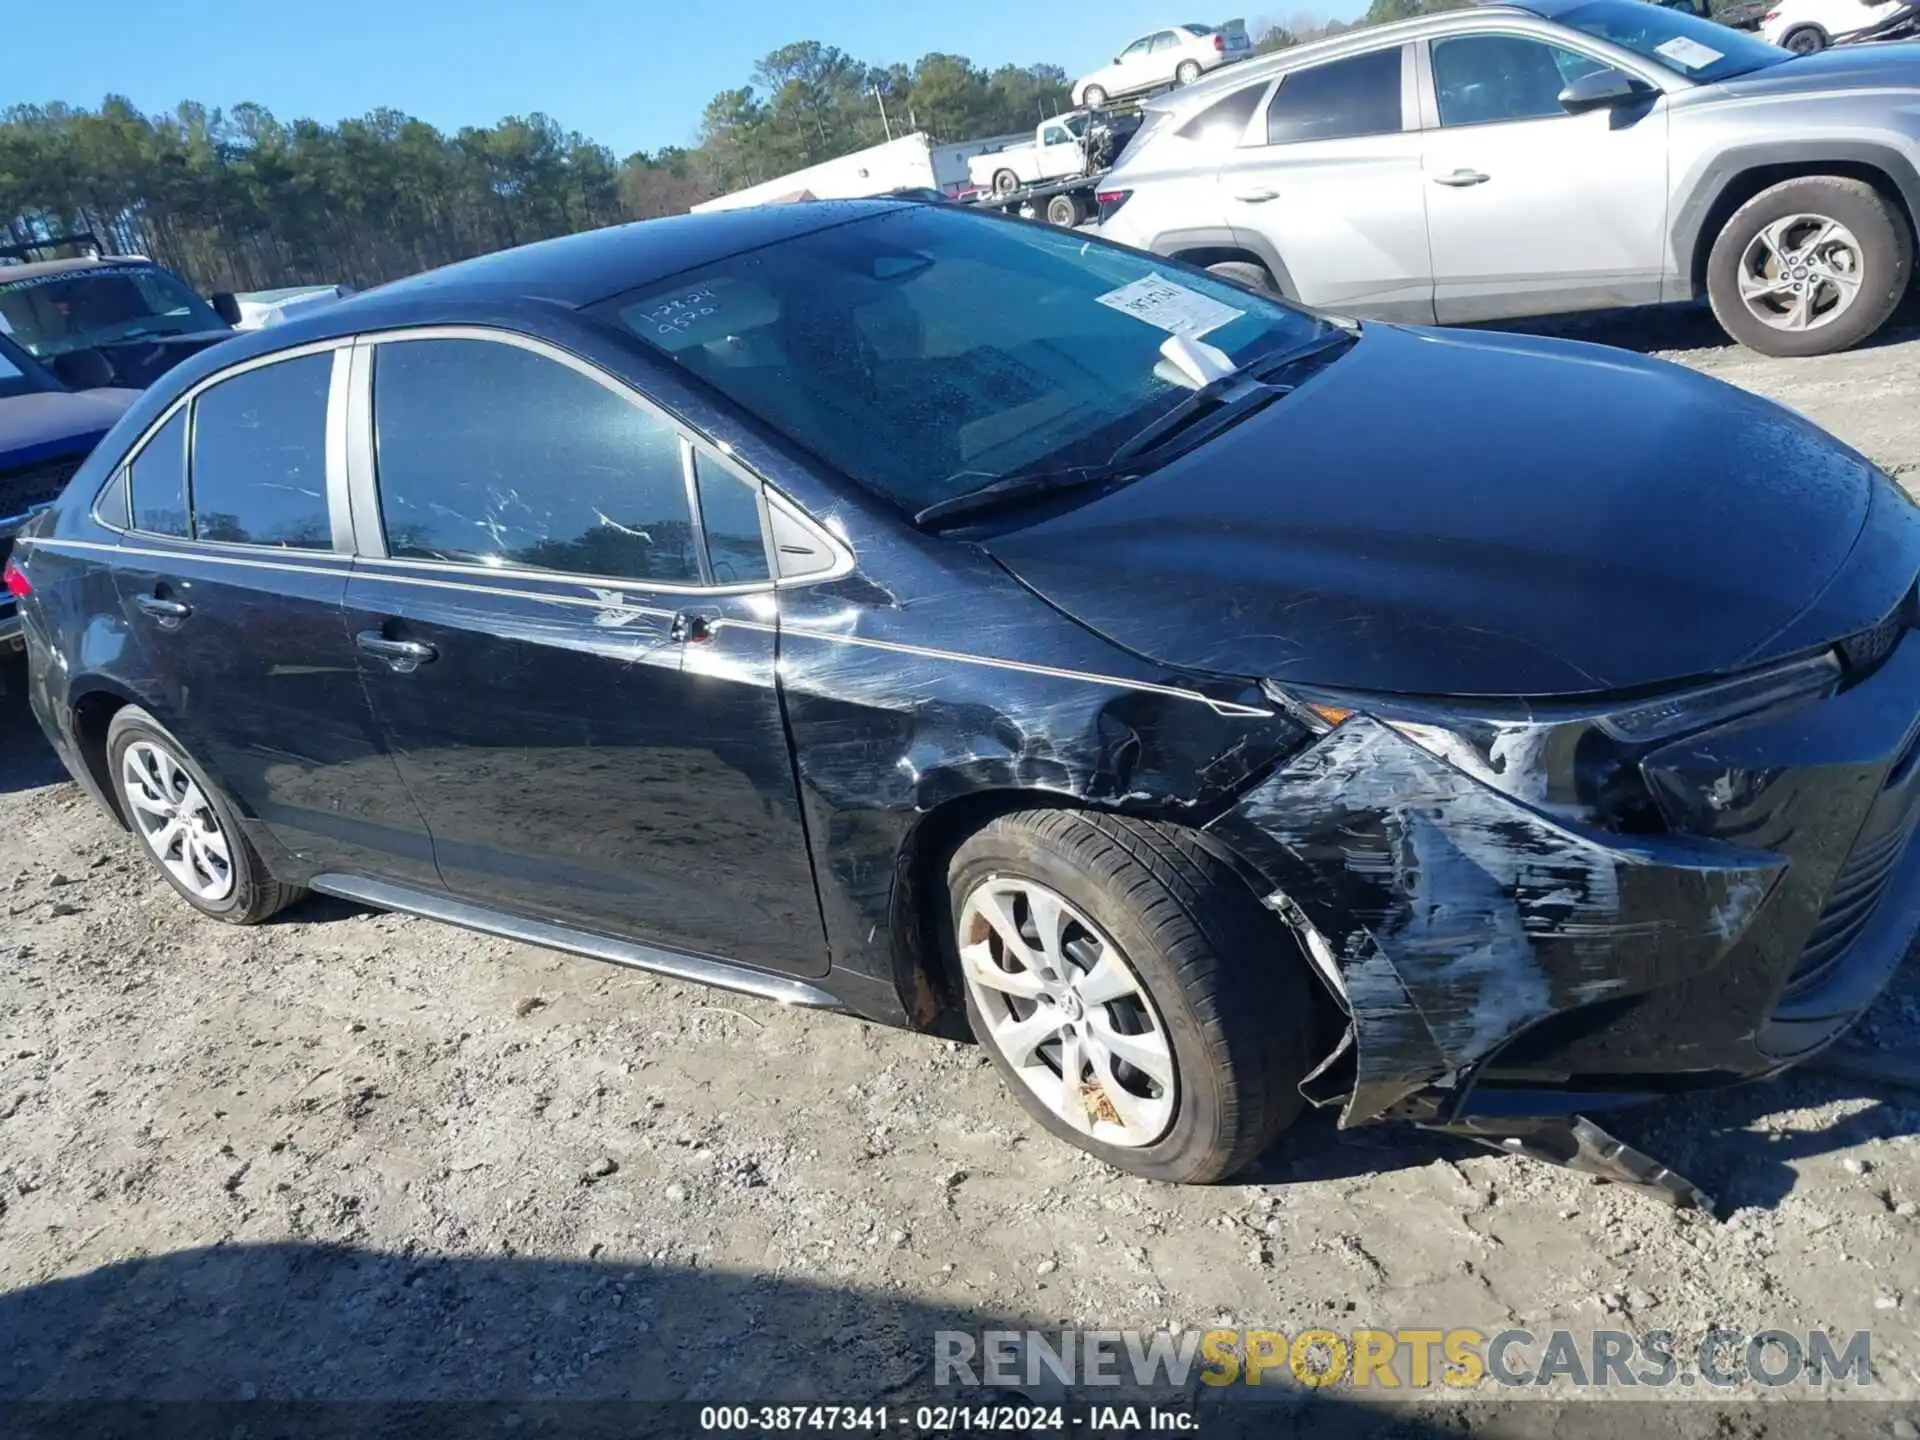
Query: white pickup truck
x,y
1057,151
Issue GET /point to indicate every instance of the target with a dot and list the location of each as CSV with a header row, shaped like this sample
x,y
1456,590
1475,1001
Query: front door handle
x,y
1257,197
1460,179
168,612
402,656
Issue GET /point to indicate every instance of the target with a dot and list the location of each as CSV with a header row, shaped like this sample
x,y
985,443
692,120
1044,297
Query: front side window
x,y
1483,79
1701,50
491,454
928,351
1055,135
158,479
260,456
79,309
1339,100
1136,49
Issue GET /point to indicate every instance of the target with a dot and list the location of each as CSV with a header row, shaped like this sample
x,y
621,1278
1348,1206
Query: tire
x,y
1186,72
1065,211
250,893
1805,40
1247,274
1880,254
1221,997
1005,182
1093,97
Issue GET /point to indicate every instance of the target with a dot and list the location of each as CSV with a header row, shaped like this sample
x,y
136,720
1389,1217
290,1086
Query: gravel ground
x,y
351,1154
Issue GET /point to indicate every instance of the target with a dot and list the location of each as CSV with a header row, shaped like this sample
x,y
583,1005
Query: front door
x,y
1329,186
577,681
1532,209
232,580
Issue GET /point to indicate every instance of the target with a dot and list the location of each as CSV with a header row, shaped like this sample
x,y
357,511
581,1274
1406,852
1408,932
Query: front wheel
x,y
1140,1001
1809,266
1804,41
187,826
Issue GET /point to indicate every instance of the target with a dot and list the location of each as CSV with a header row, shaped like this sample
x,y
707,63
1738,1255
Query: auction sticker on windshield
x,y
1690,53
1170,307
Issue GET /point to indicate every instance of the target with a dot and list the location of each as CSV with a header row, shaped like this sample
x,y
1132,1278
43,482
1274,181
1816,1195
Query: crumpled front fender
x,y
1453,917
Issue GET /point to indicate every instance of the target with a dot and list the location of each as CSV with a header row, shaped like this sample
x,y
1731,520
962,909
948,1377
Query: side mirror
x,y
226,307
1601,90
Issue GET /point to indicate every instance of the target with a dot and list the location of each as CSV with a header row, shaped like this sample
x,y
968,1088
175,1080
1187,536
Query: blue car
x,y
46,430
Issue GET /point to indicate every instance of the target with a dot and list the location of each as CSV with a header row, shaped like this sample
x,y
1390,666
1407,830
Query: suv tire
x,y
1804,40
1135,943
1247,275
1093,97
1775,242
187,826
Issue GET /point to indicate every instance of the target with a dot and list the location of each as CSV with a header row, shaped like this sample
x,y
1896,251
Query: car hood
x,y
1449,513
56,422
1848,67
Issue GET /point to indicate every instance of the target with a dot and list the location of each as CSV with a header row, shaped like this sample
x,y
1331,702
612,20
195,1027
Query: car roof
x,y
39,268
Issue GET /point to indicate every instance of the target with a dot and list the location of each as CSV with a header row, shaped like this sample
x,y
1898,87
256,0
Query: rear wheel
x,y
1005,182
1093,97
1805,40
1809,266
1246,274
187,826
1187,72
1140,1001
1066,211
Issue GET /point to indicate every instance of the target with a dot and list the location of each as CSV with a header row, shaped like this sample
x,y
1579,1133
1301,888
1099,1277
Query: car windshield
x,y
79,309
1198,29
928,352
1701,50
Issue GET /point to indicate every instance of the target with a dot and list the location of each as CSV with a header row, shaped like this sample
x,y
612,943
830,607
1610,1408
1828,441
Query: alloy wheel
x,y
1801,272
176,820
1067,1013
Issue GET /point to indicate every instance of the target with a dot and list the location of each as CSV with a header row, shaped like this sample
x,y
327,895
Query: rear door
x,y
566,623
1533,209
1330,187
232,575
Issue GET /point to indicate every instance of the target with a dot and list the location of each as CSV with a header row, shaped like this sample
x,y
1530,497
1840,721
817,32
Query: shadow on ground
x,y
27,762
1677,327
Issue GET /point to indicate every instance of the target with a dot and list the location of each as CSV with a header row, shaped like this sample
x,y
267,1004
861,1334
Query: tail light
x,y
1110,201
16,580
1219,43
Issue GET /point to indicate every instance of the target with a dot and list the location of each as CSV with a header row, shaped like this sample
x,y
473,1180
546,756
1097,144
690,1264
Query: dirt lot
x,y
355,1155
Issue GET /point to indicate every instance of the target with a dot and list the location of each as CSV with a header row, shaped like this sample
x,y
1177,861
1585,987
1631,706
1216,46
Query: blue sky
x,y
631,75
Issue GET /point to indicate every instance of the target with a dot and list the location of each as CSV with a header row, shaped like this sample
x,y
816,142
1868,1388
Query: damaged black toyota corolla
x,y
956,622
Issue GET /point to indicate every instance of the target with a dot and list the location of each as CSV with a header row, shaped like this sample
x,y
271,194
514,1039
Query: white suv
x,y
1804,26
1177,55
1544,157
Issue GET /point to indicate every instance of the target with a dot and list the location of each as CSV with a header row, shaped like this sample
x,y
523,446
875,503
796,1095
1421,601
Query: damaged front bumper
x,y
1503,970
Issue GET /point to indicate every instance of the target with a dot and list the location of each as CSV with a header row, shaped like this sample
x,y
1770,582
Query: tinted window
x,y
1224,121
1360,96
1482,78
159,480
928,351
260,456
1138,47
730,514
492,454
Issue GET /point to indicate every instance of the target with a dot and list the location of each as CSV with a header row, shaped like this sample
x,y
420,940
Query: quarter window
x,y
730,515
260,456
1484,79
1165,40
491,454
159,480
1338,100
1224,121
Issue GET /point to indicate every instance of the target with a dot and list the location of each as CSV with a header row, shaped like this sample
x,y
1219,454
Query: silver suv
x,y
1505,161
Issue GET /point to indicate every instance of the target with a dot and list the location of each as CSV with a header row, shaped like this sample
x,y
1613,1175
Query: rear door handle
x,y
168,612
1460,179
690,629
1257,197
402,656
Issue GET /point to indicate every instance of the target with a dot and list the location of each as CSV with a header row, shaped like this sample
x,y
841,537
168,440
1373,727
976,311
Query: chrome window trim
x,y
690,483
843,560
339,511
363,497
760,491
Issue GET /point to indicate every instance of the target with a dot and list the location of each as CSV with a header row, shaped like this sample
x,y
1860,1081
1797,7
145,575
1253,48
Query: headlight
x,y
1577,760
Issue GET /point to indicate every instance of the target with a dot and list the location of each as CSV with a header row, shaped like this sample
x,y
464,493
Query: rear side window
x,y
1224,121
491,454
1339,100
730,514
260,456
158,480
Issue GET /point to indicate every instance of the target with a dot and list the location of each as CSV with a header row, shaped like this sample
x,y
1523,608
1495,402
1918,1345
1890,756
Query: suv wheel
x,y
1187,71
1809,266
1142,1004
1093,97
1805,40
187,826
1246,274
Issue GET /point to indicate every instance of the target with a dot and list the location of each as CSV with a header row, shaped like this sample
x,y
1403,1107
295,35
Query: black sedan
x,y
963,624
